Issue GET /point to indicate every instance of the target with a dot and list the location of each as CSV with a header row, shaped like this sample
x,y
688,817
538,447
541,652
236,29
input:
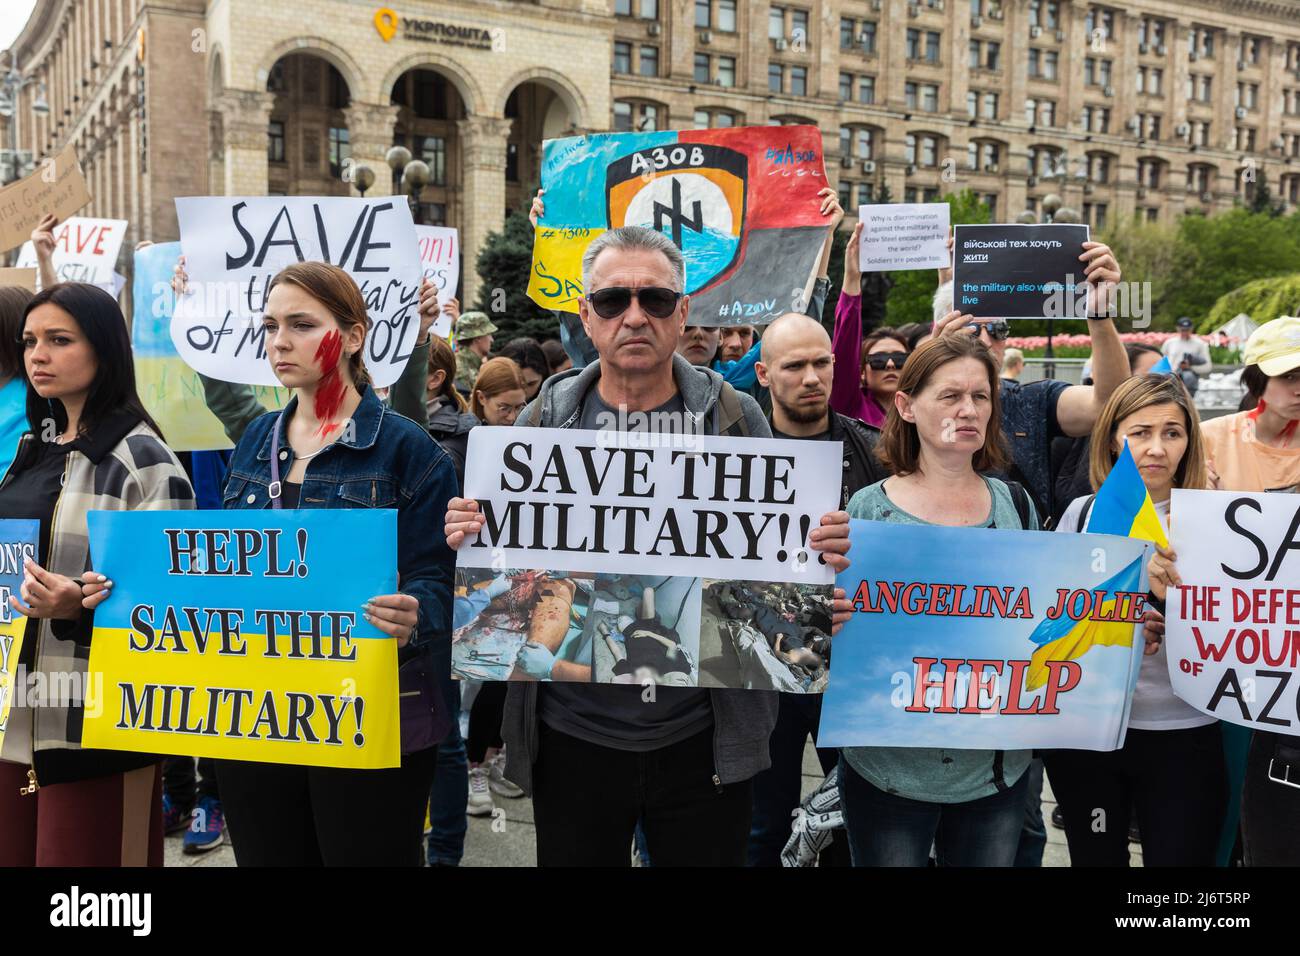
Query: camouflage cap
x,y
473,324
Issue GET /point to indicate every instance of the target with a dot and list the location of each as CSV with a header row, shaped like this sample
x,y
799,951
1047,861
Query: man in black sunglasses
x,y
596,758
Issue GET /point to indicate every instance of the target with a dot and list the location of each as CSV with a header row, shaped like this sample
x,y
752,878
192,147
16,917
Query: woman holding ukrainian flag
x,y
1147,441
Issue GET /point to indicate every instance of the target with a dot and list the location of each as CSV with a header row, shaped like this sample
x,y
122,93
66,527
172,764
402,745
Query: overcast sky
x,y
15,18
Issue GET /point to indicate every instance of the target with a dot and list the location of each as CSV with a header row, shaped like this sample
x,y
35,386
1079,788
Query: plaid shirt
x,y
123,467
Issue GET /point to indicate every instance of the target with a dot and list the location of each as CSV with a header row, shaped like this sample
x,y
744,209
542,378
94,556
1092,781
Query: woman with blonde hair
x,y
1171,769
498,395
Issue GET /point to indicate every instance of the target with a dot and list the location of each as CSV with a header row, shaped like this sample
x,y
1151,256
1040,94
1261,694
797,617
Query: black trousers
x,y
1177,781
283,815
1270,810
182,785
485,716
587,800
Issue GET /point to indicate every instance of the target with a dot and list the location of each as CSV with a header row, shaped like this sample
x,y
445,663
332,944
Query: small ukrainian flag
x,y
1123,506
1162,367
1066,640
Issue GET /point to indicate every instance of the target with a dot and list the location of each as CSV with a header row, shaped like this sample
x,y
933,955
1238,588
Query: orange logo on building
x,y
386,23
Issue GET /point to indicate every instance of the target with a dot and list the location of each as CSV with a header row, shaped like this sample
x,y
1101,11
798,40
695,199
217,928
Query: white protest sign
x,y
85,250
1233,627
440,260
904,236
684,505
234,246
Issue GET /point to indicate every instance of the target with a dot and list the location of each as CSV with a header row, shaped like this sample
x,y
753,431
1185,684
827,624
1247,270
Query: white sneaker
x,y
497,781
480,797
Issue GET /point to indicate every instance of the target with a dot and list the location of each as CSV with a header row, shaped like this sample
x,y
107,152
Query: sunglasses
x,y
655,302
880,359
998,330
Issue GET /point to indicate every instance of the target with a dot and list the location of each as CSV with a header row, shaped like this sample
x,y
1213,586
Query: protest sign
x,y
235,246
1232,633
240,635
904,236
23,278
170,389
967,638
18,539
85,250
56,187
741,204
611,557
440,260
1019,271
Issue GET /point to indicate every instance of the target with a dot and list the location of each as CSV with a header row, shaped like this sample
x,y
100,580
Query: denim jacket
x,y
383,461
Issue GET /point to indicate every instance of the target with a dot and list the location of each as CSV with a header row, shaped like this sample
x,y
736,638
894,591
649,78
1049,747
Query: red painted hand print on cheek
x,y
330,391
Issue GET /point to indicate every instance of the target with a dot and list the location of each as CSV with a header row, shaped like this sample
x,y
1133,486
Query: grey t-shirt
x,y
617,715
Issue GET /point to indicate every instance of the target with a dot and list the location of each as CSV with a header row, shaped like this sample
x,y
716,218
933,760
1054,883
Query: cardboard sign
x,y
629,558
741,205
1233,629
23,278
235,246
57,187
1020,271
85,250
982,639
899,236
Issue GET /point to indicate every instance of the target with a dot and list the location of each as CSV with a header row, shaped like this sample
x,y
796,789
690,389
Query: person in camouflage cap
x,y
473,344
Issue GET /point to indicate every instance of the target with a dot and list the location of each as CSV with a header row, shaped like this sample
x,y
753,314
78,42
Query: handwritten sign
x,y
903,236
235,246
85,250
23,278
58,187
440,260
1233,627
741,205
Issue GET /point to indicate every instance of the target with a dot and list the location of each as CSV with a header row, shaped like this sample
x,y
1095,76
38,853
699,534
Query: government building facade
x,y
1151,109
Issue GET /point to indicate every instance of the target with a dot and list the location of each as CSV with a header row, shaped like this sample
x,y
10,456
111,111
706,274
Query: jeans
x,y
587,800
1176,780
1270,811
888,830
449,794
183,786
778,788
1033,834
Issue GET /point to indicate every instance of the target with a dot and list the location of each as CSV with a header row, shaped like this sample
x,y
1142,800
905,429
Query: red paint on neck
x,y
332,388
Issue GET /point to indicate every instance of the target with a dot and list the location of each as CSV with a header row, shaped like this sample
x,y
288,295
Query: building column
x,y
245,117
483,188
370,136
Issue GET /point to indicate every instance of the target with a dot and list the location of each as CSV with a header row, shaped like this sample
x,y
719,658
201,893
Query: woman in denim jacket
x,y
340,447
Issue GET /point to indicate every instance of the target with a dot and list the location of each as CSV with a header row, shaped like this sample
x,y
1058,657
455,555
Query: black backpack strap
x,y
1083,514
1020,498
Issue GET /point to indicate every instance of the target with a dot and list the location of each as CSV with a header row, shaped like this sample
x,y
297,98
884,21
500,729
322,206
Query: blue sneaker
x,y
208,829
174,818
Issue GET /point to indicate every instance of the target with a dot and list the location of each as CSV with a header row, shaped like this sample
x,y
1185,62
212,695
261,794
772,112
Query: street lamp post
x,y
1054,210
414,175
11,84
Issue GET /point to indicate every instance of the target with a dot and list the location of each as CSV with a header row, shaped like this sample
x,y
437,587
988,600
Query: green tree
x,y
1217,254
913,291
1263,300
503,265
1147,252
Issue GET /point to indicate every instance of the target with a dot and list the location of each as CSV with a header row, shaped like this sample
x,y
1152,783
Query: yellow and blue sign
x,y
18,539
241,635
